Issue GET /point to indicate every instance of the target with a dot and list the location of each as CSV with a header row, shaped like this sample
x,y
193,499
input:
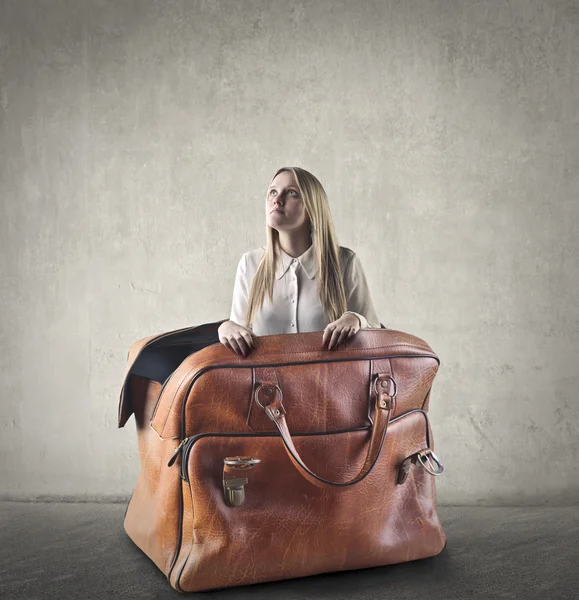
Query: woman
x,y
311,283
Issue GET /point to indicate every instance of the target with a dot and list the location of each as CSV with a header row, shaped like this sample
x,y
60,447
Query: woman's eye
x,y
272,192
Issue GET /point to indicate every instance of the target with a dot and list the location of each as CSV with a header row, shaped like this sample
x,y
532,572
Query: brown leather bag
x,y
294,461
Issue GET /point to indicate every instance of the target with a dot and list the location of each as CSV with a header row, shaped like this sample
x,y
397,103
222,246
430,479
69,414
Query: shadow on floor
x,y
70,551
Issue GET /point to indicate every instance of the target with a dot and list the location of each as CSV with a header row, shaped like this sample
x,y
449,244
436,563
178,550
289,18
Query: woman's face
x,y
284,207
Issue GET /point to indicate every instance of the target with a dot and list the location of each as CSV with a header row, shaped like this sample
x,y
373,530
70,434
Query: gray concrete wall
x,y
137,140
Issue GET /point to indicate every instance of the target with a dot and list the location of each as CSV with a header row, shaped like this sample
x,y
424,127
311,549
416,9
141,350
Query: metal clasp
x,y
234,487
430,462
426,458
245,462
234,490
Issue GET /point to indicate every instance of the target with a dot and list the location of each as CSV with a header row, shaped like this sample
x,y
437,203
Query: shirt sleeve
x,y
358,298
240,294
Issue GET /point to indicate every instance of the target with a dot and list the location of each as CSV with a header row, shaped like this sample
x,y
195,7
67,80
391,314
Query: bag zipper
x,y
185,446
253,366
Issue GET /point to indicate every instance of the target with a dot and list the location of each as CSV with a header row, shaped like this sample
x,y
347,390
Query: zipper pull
x,y
177,451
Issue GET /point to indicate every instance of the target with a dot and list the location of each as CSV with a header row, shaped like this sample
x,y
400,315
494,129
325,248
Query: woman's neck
x,y
295,243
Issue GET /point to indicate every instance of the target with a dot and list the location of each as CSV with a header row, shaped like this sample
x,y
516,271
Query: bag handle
x,y
384,388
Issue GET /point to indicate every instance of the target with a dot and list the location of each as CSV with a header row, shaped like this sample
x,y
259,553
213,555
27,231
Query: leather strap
x,y
269,398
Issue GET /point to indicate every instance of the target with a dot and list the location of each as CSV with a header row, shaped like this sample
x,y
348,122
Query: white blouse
x,y
296,307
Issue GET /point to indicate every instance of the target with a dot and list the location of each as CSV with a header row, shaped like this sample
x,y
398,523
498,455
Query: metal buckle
x,y
427,458
388,377
260,385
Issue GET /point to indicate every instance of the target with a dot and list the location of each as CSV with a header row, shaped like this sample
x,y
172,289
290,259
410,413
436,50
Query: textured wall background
x,y
137,141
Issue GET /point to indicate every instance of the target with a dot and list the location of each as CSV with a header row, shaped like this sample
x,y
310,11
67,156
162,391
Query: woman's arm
x,y
240,294
233,333
358,297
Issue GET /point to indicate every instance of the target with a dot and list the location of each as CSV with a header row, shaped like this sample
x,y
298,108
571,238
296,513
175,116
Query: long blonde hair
x,y
326,248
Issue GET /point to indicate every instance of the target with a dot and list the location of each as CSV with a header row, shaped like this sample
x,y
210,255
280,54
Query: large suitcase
x,y
294,461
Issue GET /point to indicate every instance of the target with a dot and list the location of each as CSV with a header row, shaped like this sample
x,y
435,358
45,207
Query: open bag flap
x,y
157,356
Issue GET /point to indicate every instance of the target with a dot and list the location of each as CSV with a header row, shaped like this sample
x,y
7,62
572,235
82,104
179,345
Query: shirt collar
x,y
307,261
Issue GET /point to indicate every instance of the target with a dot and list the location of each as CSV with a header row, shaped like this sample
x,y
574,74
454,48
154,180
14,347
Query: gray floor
x,y
54,550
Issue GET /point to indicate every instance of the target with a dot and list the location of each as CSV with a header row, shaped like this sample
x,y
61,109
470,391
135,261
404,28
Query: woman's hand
x,y
236,337
342,329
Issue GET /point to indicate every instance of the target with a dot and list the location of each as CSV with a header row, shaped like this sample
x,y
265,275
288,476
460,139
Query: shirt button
x,y
292,324
293,301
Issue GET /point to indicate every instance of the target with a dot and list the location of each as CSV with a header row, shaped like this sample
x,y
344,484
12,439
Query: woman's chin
x,y
276,223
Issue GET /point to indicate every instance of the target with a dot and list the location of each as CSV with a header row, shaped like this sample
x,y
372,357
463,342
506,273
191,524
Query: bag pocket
x,y
286,527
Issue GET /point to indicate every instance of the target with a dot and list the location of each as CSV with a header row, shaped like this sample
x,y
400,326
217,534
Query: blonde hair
x,y
326,249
